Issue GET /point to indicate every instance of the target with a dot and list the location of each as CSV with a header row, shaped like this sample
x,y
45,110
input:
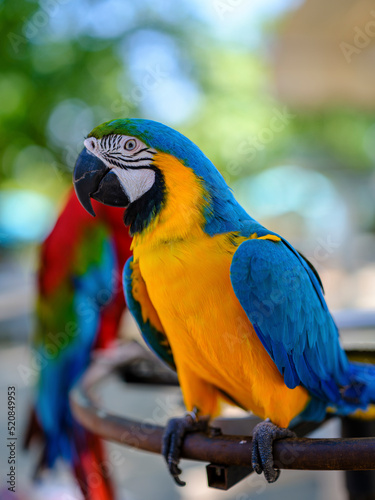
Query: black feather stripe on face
x,y
142,211
111,150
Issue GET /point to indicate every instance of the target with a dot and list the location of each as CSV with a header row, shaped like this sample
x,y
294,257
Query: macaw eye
x,y
130,145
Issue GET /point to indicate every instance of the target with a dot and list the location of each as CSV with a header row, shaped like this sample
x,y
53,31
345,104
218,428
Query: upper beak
x,y
93,179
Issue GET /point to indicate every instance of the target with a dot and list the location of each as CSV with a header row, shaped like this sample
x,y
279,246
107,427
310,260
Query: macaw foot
x,y
264,434
173,439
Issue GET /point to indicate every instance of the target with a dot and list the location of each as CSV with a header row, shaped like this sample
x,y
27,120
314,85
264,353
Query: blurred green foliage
x,y
61,76
40,70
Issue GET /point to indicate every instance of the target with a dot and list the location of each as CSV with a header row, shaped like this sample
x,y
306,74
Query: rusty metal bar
x,y
228,450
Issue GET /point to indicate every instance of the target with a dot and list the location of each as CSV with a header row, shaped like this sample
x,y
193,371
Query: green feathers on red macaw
x,y
79,308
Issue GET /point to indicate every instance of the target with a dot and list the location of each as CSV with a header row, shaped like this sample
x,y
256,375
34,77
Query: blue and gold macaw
x,y
232,306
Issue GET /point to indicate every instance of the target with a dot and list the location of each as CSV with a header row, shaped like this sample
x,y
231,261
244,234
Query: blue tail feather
x,y
363,387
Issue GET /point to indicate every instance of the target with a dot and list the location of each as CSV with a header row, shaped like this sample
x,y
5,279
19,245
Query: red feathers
x,y
70,250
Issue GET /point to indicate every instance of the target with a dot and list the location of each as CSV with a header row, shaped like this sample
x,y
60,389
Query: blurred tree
x,y
67,66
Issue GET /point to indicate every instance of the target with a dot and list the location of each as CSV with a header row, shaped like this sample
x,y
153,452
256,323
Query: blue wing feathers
x,y
282,296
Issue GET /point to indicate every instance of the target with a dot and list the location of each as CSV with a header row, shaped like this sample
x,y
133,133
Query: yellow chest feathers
x,y
185,275
188,282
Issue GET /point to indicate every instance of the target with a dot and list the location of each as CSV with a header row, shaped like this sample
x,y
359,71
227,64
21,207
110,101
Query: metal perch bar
x,y
225,450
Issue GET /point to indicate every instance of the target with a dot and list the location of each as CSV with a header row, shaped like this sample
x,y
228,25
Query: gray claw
x,y
173,439
264,434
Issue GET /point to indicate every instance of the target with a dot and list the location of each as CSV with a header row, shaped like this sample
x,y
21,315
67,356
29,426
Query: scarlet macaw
x,y
232,306
79,307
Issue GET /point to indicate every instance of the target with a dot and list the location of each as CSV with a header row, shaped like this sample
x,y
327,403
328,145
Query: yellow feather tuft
x,y
368,414
271,237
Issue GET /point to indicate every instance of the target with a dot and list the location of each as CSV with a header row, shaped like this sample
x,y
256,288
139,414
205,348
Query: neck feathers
x,y
140,214
182,205
181,210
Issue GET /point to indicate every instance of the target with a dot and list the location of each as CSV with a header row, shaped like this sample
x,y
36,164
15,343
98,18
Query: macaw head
x,y
155,172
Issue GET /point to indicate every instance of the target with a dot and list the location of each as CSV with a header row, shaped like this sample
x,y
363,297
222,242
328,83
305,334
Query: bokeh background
x,y
280,95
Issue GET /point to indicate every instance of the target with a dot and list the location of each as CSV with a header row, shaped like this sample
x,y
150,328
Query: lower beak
x,y
93,179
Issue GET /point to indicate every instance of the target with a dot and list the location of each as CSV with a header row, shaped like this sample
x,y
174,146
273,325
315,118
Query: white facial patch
x,y
127,157
135,182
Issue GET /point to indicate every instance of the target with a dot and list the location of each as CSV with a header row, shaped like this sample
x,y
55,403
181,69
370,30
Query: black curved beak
x,y
93,179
